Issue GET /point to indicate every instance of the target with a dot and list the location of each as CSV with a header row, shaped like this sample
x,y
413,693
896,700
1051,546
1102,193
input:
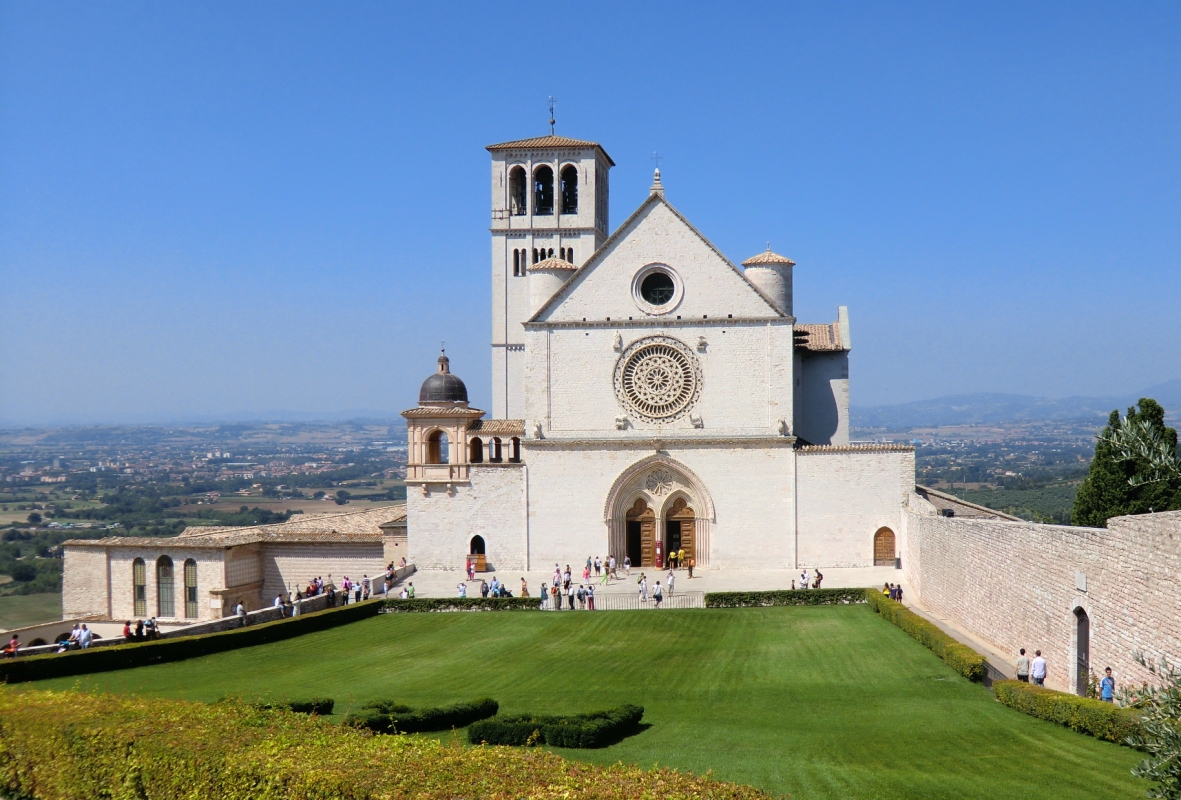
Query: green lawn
x,y
828,702
19,610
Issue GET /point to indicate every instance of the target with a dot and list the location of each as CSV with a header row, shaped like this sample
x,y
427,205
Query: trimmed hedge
x,y
384,716
66,745
139,654
597,729
313,705
1105,721
398,605
785,597
959,657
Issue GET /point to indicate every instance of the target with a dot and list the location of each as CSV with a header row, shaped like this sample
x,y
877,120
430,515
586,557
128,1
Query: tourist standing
x,y
241,612
544,596
1037,670
356,592
1107,687
898,591
819,577
627,566
643,588
672,576
581,597
556,596
657,595
804,579
598,567
84,637
590,598
1023,666
570,597
692,563
127,631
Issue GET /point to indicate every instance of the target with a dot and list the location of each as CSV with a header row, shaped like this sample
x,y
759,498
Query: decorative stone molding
x,y
658,379
621,422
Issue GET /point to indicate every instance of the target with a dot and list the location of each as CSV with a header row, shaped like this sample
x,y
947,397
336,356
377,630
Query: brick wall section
x,y
1015,584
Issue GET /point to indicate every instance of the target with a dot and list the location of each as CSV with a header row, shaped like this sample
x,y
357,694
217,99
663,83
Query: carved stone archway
x,y
659,482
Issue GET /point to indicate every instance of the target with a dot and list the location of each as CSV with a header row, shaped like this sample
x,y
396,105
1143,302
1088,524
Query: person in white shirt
x,y
1037,669
84,637
669,582
462,589
804,579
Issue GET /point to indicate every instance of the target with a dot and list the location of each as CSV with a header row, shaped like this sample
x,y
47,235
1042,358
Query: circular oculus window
x,y
657,289
658,379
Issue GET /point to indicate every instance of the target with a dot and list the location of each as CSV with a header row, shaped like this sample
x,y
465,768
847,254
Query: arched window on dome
x,y
438,448
569,189
516,191
165,592
494,450
543,191
476,450
515,451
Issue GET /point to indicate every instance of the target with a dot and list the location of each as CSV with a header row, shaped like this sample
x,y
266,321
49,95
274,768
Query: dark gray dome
x,y
443,387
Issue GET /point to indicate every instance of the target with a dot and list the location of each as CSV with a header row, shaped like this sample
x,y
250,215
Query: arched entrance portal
x,y
656,506
883,548
1083,649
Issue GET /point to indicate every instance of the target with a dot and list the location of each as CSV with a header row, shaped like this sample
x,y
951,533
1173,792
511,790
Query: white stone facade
x,y
664,400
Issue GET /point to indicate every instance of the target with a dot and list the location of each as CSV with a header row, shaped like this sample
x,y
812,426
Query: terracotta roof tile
x,y
767,257
438,411
551,263
498,427
549,141
819,338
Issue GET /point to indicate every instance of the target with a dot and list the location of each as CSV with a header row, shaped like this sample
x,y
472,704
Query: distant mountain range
x,y
985,407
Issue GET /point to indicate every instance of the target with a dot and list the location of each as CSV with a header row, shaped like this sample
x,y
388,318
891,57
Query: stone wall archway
x,y
666,488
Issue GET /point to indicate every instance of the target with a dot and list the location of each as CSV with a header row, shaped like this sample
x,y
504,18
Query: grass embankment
x,y
828,702
19,610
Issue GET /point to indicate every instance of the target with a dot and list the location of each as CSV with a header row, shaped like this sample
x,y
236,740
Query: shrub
x,y
1105,721
397,605
384,716
597,729
313,705
59,745
785,597
959,657
124,656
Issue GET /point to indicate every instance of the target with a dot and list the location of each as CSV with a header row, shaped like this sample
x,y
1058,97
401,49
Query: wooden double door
x,y
645,546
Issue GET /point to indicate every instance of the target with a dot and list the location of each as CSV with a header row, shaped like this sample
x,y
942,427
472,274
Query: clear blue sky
x,y
233,210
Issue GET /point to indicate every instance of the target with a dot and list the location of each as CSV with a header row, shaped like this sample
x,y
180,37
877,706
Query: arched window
x,y
515,452
190,588
165,596
551,253
494,450
476,548
516,191
543,191
476,448
139,588
437,448
534,255
569,189
1082,646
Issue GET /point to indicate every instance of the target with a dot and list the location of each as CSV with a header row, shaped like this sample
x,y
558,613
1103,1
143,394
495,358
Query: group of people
x,y
894,590
808,581
145,631
657,590
562,586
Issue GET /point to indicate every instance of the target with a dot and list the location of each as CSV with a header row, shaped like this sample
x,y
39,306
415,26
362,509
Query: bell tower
x,y
549,200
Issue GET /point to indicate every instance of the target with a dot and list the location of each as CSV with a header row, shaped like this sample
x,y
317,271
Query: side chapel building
x,y
648,396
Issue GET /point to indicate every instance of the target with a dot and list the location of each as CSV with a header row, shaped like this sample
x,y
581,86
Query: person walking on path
x,y
1037,670
241,612
643,588
611,567
544,596
627,566
590,598
85,637
692,563
606,577
657,595
671,577
462,589
1023,666
1107,687
570,597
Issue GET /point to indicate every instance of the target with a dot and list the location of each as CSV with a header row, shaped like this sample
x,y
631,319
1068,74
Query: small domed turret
x,y
442,388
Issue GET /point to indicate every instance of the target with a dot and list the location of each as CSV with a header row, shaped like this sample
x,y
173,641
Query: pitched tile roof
x,y
498,427
359,526
549,141
439,411
819,338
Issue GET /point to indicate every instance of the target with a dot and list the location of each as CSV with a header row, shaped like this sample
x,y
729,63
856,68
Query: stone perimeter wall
x,y
1016,584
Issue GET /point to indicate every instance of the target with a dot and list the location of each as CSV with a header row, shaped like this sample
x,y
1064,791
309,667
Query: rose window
x,y
658,379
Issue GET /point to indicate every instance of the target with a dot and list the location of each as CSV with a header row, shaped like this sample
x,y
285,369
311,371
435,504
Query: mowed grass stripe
x,y
819,702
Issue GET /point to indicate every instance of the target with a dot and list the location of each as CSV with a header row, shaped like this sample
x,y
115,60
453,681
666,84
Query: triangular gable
x,y
657,232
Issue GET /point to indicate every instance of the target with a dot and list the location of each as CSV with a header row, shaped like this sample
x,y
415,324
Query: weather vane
x,y
551,114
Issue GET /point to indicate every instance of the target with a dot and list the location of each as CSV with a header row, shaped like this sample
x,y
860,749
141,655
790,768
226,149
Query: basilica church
x,y
648,396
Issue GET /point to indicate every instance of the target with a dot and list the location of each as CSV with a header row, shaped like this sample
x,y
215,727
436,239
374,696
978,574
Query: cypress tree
x,y
1107,490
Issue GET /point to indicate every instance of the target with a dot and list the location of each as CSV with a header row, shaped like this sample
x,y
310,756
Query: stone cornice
x,y
658,443
868,447
663,322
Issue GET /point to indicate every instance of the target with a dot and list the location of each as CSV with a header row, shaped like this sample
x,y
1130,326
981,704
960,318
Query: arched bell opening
x,y
476,450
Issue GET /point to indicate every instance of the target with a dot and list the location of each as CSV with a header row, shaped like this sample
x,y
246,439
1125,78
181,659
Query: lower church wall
x,y
492,505
845,497
288,566
1015,584
89,589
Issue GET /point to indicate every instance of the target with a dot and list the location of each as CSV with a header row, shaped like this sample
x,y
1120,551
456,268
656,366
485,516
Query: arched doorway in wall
x,y
1082,625
641,534
679,527
883,548
476,548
